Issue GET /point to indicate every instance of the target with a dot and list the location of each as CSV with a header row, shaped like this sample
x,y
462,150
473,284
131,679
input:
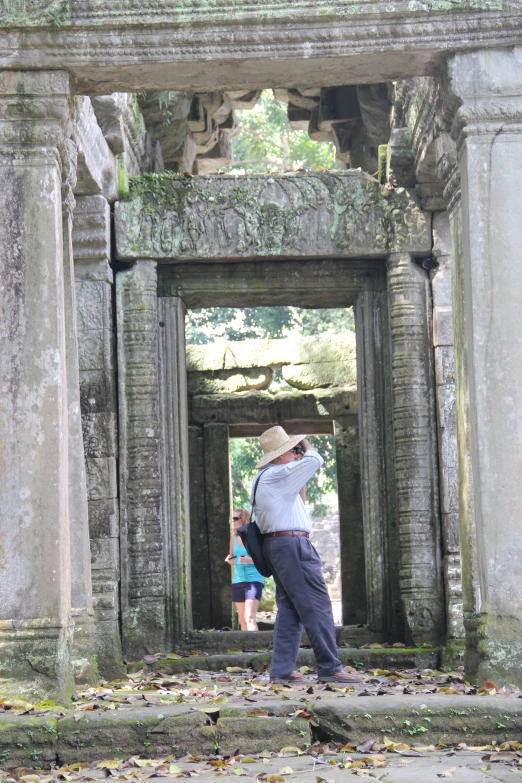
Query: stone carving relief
x,y
304,215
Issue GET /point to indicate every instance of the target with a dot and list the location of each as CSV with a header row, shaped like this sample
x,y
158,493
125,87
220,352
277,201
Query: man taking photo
x,y
301,595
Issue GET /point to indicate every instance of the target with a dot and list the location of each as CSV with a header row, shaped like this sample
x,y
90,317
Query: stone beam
x,y
241,354
117,47
309,215
97,168
304,283
308,426
267,409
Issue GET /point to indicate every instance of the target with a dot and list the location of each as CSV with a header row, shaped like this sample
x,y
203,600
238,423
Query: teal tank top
x,y
244,572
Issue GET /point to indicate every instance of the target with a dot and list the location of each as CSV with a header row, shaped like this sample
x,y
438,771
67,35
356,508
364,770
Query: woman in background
x,y
247,582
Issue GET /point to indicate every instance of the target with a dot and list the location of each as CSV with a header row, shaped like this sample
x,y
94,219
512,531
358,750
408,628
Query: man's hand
x,y
305,444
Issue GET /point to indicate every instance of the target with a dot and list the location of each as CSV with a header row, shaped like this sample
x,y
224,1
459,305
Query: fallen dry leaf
x,y
448,773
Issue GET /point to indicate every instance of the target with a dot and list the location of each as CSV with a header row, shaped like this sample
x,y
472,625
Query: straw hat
x,y
275,442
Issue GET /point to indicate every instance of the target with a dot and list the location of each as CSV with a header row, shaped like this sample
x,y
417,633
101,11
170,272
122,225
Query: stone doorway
x,y
191,247
238,385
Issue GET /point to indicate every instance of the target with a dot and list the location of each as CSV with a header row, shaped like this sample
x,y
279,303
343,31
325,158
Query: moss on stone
x,y
20,13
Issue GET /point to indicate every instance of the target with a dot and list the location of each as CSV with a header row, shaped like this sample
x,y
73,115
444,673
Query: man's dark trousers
x,y
302,599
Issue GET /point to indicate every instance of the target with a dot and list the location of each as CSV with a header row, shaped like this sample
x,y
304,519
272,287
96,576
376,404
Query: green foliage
x,y
268,602
321,490
266,143
205,325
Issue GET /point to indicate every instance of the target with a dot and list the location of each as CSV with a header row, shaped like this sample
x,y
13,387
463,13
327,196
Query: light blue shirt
x,y
244,572
278,503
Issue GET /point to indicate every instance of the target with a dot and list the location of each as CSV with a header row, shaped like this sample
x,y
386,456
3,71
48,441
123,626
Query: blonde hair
x,y
244,514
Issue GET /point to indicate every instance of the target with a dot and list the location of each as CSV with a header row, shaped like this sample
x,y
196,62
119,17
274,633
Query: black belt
x,y
288,533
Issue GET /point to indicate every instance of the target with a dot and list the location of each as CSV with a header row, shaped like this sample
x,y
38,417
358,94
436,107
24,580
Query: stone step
x,y
223,641
376,658
179,729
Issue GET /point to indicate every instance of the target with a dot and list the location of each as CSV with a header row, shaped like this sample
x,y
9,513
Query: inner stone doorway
x,y
243,366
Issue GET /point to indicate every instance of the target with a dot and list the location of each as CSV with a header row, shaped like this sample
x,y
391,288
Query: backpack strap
x,y
255,490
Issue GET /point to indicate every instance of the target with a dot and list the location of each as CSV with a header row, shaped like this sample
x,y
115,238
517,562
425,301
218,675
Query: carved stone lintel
x,y
322,214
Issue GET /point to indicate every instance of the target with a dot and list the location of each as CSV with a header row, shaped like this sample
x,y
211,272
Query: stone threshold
x,y
248,641
375,658
42,741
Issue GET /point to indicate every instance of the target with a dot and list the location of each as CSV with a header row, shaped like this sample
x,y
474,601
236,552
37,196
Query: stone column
x,y
377,464
446,424
416,451
199,542
487,237
143,593
35,579
219,511
81,586
96,321
175,466
351,527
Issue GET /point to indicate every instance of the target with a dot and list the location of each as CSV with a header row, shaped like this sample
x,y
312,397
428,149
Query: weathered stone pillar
x,y
487,236
447,424
81,586
35,579
175,466
218,502
96,321
377,464
199,541
415,450
143,596
351,527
